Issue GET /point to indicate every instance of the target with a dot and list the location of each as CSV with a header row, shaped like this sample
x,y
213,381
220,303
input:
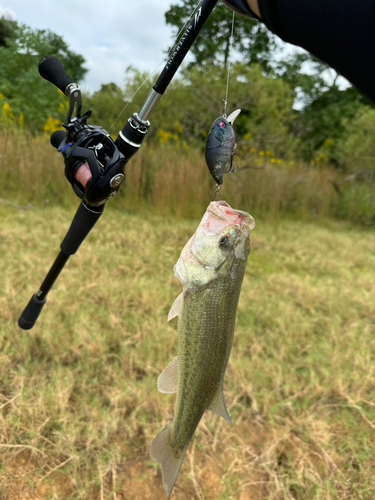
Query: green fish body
x,y
211,268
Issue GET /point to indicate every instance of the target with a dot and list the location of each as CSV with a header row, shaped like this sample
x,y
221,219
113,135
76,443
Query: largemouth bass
x,y
211,269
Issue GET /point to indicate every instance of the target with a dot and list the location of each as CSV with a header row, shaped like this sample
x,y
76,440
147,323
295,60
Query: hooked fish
x,y
211,269
220,145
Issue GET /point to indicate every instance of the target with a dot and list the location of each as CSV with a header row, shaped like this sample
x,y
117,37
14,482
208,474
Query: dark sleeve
x,y
241,7
338,32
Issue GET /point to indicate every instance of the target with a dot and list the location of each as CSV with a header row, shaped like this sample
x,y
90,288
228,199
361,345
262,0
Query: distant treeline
x,y
329,138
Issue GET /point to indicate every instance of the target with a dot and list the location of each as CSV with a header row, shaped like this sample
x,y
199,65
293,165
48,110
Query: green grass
x,y
78,399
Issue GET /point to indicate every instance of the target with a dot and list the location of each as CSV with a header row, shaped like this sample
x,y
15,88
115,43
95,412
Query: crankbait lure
x,y
220,146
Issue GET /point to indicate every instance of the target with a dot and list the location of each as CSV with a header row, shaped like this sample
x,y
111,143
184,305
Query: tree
x,y
212,46
23,89
7,27
356,147
107,105
324,109
195,99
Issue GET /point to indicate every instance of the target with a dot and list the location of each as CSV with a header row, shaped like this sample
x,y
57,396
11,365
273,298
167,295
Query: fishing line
x,y
228,74
12,171
158,66
15,174
135,93
217,188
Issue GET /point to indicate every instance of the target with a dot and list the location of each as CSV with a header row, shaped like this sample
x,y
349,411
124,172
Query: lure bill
x,y
211,269
220,146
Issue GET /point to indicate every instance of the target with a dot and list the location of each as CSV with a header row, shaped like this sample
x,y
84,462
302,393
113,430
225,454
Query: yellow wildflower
x,y
7,111
177,127
163,135
51,125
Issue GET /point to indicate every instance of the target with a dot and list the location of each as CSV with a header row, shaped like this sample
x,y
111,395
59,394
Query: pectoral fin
x,y
176,307
217,405
167,380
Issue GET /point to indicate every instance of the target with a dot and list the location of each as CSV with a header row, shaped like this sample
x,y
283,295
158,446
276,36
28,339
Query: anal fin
x,y
217,405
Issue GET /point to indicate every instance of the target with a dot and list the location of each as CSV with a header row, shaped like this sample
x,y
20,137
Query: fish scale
x,y
199,350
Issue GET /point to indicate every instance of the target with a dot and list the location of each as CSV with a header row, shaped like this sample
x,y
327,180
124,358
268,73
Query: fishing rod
x,y
94,163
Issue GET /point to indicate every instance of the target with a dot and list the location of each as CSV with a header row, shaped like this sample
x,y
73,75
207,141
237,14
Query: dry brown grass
x,y
173,180
78,399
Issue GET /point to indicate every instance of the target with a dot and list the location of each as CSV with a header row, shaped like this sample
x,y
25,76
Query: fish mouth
x,y
202,250
223,214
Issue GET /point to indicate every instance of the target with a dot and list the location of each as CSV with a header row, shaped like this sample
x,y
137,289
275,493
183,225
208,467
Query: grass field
x,y
78,400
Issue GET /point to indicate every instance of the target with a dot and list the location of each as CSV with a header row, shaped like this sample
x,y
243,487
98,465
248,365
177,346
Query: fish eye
x,y
224,242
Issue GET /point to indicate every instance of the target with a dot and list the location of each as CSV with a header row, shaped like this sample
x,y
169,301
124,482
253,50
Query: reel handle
x,y
51,69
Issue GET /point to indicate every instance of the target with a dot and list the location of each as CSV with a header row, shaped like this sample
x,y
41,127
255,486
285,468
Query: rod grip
x,y
82,223
31,313
51,69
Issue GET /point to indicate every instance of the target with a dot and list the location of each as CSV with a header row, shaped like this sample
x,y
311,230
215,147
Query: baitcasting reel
x,y
94,163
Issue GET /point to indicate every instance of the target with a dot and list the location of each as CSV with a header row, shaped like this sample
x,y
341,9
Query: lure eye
x,y
224,242
222,125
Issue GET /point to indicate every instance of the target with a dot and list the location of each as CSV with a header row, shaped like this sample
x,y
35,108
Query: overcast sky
x,y
109,34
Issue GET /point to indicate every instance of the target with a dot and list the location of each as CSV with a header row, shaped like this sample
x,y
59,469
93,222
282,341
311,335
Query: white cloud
x,y
110,35
7,14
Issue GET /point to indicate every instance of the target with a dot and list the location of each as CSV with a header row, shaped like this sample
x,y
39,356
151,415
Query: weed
x,y
78,399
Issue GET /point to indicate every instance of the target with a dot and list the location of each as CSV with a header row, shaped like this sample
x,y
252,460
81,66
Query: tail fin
x,y
161,451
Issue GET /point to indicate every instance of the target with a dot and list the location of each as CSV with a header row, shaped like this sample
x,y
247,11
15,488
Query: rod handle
x,y
51,69
31,313
82,223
